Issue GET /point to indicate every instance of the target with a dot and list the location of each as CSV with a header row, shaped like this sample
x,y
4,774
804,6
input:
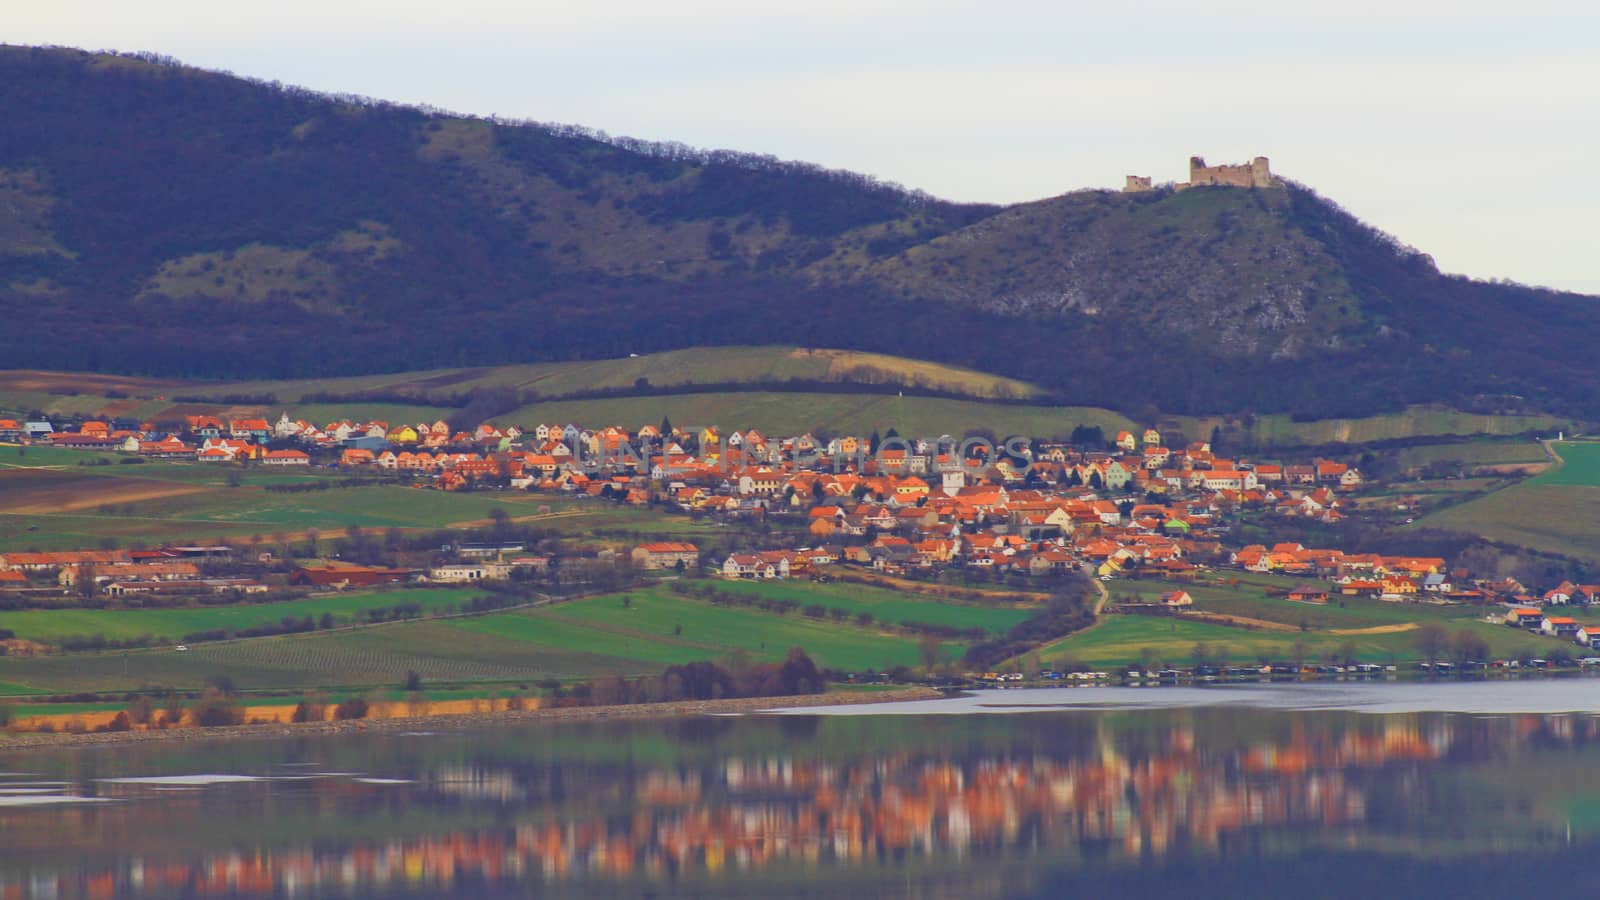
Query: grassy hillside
x,y
749,369
1557,511
158,219
700,365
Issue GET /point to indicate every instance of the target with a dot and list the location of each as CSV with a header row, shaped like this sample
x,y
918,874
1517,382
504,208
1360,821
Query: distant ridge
x,y
162,220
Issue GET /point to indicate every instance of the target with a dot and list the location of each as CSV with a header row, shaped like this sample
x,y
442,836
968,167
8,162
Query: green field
x,y
665,628
380,655
51,625
793,413
588,638
1415,421
83,394
1249,599
675,367
1557,511
1472,454
1580,465
1120,640
886,605
47,502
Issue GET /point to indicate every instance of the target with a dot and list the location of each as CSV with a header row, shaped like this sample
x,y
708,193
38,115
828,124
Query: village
x,y
1140,506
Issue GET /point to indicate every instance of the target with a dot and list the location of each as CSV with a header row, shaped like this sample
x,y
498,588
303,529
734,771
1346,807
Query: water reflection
x,y
824,807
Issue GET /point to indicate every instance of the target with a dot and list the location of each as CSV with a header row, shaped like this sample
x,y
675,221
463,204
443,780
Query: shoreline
x,y
465,721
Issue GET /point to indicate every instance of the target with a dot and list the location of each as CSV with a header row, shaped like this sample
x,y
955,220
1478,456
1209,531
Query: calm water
x,y
1273,793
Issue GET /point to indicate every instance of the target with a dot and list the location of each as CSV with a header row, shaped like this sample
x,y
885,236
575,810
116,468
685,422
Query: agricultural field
x,y
369,657
51,625
70,393
1119,640
1580,465
594,637
888,606
1557,511
658,625
85,394
47,504
1472,455
676,367
793,413
1249,600
1416,421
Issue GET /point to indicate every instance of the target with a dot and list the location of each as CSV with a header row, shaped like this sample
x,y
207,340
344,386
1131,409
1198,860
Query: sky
x,y
1468,130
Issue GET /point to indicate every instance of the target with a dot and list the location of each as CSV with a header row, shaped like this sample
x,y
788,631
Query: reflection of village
x,y
1102,804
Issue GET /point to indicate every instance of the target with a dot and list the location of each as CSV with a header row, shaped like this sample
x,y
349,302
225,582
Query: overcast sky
x,y
1470,130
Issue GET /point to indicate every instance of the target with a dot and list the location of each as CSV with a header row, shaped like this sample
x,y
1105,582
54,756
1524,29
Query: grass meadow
x,y
593,637
52,625
1119,640
1557,510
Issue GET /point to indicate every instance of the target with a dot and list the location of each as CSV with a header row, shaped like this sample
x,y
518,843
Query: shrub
x,y
119,722
216,710
354,708
305,711
140,710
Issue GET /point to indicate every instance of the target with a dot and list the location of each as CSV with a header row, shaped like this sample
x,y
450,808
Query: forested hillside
x,y
157,219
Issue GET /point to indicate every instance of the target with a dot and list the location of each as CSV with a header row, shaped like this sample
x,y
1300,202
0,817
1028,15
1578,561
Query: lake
x,y
1244,791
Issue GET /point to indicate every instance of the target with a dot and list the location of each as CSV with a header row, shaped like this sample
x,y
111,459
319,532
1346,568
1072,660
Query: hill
x,y
779,390
160,220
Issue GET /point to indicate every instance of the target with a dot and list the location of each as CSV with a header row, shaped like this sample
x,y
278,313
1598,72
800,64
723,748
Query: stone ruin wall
x,y
1254,174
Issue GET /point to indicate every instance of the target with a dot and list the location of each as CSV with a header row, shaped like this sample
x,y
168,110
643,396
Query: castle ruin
x,y
1254,174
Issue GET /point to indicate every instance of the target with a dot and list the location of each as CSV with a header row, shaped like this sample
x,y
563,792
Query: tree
x,y
930,650
1431,640
1301,650
308,711
1468,647
216,709
799,674
172,708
